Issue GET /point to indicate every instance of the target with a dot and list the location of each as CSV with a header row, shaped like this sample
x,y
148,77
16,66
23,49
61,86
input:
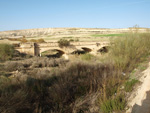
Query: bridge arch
x,y
55,53
83,50
104,49
87,50
78,52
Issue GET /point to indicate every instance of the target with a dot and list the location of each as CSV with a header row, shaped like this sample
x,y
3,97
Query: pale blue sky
x,y
26,14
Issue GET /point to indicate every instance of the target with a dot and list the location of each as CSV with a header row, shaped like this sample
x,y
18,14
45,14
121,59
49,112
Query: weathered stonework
x,y
35,49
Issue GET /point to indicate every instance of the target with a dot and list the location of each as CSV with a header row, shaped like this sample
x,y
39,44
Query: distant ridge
x,y
65,31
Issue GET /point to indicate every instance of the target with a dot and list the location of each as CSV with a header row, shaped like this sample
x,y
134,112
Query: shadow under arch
x,y
83,50
78,51
53,53
104,49
87,50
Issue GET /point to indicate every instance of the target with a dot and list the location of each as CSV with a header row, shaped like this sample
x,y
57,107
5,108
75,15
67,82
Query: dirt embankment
x,y
139,101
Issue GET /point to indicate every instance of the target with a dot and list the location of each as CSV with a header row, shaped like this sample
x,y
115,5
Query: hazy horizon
x,y
34,14
70,27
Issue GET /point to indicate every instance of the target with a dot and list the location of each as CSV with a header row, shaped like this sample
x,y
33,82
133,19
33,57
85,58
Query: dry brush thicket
x,y
44,85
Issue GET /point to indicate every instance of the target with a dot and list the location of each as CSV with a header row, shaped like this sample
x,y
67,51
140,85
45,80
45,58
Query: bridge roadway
x,y
36,49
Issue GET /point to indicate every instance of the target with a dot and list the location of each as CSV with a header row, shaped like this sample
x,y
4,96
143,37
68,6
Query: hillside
x,y
65,31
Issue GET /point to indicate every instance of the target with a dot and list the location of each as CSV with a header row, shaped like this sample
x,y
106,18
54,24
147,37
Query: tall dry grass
x,y
56,92
126,54
128,51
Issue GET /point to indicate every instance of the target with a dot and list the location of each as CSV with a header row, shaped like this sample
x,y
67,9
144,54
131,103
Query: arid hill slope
x,y
65,31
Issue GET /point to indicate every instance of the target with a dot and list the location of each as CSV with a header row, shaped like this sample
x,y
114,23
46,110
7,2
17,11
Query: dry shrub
x,y
40,73
39,62
14,66
57,90
78,80
86,103
35,62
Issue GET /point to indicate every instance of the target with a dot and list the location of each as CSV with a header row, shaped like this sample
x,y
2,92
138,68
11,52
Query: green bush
x,y
129,85
116,103
63,43
6,52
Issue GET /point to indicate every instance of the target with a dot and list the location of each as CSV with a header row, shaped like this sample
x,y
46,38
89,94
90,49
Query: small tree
x,y
6,52
63,43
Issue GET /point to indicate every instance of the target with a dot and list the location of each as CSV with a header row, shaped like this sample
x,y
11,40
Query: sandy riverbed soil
x,y
140,98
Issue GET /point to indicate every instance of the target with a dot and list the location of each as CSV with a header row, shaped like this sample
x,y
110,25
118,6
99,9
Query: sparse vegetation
x,y
75,80
24,40
41,84
116,103
63,43
67,37
108,35
129,85
37,41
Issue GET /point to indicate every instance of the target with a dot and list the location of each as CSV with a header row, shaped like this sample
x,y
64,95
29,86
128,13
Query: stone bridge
x,y
35,49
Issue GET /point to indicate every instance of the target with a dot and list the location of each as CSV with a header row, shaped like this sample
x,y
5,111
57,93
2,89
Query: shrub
x,y
128,51
46,94
13,66
6,52
63,43
117,103
35,62
129,85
